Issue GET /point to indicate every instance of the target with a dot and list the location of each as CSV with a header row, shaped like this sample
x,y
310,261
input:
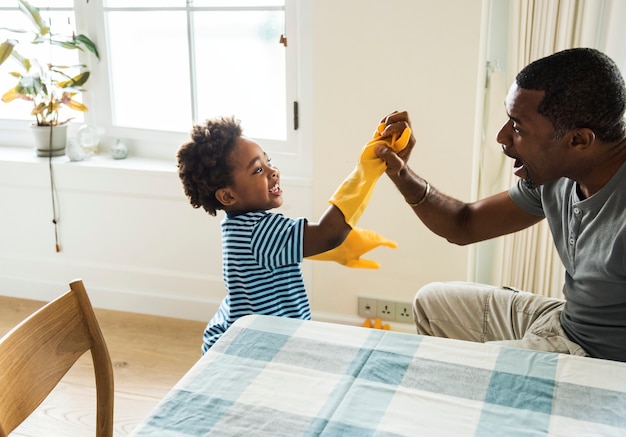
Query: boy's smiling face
x,y
256,182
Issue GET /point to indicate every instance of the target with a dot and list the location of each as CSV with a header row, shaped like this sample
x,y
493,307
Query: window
x,y
168,63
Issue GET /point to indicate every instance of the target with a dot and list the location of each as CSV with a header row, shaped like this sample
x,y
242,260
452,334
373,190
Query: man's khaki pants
x,y
484,313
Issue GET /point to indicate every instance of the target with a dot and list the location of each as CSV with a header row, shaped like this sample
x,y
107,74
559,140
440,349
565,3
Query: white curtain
x,y
493,169
527,259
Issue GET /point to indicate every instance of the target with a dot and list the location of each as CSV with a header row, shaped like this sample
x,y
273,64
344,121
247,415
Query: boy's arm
x,y
329,232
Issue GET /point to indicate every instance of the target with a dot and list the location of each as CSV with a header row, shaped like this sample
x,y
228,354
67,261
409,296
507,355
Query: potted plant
x,y
48,86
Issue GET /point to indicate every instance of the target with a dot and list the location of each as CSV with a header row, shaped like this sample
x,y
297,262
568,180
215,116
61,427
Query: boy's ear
x,y
225,196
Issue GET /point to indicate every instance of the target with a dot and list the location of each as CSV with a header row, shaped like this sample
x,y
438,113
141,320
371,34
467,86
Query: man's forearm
x,y
443,215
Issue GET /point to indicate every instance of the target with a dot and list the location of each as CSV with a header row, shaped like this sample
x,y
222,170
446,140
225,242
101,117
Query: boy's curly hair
x,y
204,162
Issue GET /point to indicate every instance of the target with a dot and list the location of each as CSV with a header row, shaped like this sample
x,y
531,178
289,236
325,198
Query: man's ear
x,y
225,196
583,138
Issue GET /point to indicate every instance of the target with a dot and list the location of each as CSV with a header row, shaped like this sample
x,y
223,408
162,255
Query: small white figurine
x,y
119,150
74,151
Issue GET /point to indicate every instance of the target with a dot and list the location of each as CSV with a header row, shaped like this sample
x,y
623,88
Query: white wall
x,y
370,58
139,246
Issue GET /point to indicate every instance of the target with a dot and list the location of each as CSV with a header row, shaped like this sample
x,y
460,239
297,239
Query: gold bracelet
x,y
424,197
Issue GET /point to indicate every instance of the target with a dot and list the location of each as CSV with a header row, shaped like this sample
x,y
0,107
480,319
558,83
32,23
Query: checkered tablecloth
x,y
271,376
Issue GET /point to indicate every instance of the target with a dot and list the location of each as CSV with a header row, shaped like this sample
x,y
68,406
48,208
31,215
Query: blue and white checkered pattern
x,y
271,376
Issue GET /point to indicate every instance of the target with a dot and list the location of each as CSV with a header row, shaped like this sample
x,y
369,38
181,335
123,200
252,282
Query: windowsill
x,y
148,152
132,163
109,172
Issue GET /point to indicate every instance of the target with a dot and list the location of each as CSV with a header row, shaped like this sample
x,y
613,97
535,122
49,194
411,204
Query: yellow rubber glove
x,y
356,244
354,193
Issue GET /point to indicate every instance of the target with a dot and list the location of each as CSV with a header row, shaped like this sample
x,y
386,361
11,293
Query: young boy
x,y
221,169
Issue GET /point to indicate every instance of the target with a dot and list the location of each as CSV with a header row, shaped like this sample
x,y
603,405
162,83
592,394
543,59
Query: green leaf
x,y
6,48
65,44
24,62
39,109
80,42
88,44
76,81
8,29
34,15
76,106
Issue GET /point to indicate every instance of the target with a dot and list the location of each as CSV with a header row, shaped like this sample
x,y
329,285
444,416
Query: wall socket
x,y
404,312
386,310
367,307
390,310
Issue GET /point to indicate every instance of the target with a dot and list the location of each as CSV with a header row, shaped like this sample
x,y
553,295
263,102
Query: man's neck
x,y
603,168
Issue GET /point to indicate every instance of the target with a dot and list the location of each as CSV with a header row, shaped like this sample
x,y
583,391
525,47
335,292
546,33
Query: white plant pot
x,y
50,140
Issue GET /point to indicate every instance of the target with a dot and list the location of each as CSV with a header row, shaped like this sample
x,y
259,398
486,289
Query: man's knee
x,y
422,303
429,290
452,309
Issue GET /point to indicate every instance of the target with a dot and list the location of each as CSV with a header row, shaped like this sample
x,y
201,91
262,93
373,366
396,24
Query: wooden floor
x,y
150,354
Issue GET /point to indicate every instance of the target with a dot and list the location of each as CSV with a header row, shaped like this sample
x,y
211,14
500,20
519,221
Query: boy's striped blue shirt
x,y
261,254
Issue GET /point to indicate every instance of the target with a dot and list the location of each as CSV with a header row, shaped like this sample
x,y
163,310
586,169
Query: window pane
x,y
149,70
240,68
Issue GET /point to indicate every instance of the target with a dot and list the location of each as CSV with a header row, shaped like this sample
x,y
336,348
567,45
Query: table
x,y
270,376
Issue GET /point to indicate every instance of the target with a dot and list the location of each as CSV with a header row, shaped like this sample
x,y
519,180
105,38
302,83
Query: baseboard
x,y
359,321
182,307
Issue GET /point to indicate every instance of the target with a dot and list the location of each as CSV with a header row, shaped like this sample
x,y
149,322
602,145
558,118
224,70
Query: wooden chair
x,y
38,352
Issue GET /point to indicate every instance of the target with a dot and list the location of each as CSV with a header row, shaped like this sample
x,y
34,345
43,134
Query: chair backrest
x,y
38,352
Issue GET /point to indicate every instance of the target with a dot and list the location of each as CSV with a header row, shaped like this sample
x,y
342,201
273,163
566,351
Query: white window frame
x,y
162,145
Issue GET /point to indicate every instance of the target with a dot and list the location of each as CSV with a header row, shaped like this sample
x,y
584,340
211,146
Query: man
x,y
567,136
